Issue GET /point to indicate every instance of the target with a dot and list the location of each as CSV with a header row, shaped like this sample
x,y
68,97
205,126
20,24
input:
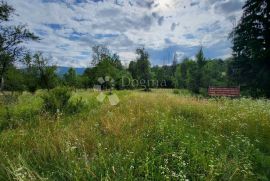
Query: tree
x,y
122,80
104,64
102,69
71,78
193,77
181,74
47,74
132,68
31,75
99,53
5,11
200,60
143,67
11,38
232,72
166,73
251,48
214,73
84,80
14,79
116,61
187,75
193,72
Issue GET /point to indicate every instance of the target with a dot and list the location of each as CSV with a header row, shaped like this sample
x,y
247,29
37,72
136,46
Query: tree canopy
x,y
251,48
11,39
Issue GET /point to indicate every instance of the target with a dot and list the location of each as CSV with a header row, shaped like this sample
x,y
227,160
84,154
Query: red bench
x,y
224,91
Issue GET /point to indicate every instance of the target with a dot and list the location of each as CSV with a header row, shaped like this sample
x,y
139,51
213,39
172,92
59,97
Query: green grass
x,y
158,135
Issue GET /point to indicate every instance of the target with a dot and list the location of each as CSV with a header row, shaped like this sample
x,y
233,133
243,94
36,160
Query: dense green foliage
x,y
56,100
143,67
107,68
11,39
198,75
251,47
143,138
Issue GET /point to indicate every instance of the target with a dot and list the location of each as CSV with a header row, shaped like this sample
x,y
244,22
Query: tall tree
x,y
200,60
11,38
189,74
31,75
181,74
132,68
193,77
46,73
143,67
116,61
104,68
251,47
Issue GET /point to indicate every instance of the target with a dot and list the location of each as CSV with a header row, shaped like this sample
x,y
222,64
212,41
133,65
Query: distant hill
x,y
63,70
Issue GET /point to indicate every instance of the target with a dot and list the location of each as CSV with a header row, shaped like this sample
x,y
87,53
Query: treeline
x,y
196,75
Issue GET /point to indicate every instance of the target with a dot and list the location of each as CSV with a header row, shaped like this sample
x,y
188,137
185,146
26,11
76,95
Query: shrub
x,y
75,106
56,100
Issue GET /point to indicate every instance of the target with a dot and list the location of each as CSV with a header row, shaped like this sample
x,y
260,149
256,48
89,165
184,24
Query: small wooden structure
x,y
224,91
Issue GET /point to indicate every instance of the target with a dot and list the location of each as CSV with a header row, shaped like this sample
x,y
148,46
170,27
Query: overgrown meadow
x,y
157,135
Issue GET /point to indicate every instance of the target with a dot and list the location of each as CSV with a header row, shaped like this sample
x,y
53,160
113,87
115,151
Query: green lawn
x,y
154,135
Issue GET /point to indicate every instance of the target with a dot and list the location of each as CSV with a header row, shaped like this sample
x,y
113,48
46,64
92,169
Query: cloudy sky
x,y
69,28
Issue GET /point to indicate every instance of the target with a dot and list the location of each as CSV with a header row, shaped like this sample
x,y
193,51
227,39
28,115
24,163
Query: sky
x,y
69,28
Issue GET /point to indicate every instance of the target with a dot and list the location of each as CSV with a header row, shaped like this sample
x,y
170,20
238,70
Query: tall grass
x,y
156,135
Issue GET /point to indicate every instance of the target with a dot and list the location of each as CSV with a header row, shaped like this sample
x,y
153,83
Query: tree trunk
x,y
2,83
2,74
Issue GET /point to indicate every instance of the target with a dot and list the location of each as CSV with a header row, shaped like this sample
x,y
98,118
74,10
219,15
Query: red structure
x,y
224,91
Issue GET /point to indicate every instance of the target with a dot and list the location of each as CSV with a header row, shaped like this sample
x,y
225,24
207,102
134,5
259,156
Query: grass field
x,y
154,135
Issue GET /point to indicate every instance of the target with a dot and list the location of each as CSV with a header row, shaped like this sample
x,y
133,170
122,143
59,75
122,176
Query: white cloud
x,y
124,25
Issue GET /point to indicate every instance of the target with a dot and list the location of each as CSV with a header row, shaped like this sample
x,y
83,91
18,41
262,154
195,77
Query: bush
x,y
75,106
56,100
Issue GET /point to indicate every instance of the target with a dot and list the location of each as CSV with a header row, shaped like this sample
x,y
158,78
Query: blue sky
x,y
69,28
